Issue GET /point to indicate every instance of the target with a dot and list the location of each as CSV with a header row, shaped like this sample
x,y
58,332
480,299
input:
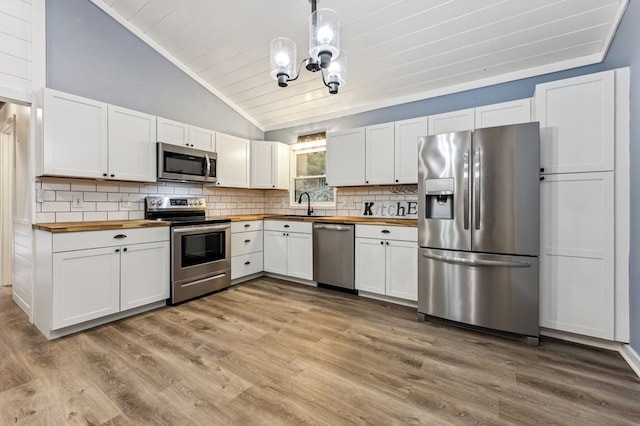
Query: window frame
x,y
306,148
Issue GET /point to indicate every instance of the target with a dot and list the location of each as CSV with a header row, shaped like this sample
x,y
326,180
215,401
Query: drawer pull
x,y
286,226
120,236
247,241
247,263
385,231
247,225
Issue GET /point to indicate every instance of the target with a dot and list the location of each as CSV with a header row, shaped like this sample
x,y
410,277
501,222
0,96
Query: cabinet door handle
x,y
112,175
541,177
124,249
117,250
246,225
247,241
385,231
541,169
120,236
247,263
382,242
286,226
387,242
104,174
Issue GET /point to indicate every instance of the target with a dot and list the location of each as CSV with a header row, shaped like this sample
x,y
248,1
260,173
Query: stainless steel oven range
x,y
200,247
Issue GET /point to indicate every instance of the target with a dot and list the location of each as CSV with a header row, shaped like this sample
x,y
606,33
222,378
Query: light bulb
x,y
325,34
282,59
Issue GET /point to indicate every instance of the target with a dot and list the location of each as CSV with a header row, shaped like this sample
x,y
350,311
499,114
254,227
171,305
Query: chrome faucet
x,y
309,209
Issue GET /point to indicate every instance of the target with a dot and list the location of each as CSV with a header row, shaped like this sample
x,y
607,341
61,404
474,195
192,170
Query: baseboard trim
x,y
632,358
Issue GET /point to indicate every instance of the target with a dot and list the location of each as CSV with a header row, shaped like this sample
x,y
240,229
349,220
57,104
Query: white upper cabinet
x,y
90,139
346,157
454,121
379,152
577,123
407,133
504,113
269,165
177,133
203,139
233,161
74,139
173,132
132,143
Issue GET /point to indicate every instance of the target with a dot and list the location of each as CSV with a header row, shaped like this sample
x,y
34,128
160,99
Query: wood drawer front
x,y
402,233
92,239
246,242
246,265
246,225
288,226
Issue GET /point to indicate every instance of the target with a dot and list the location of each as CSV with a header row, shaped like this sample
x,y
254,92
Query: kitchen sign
x,y
406,209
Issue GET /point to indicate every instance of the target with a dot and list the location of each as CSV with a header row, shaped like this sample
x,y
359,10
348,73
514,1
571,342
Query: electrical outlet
x,y
76,202
126,202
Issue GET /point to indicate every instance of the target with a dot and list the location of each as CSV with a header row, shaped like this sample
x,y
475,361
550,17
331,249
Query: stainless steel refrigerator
x,y
478,221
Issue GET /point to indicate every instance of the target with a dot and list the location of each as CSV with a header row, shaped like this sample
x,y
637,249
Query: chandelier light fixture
x,y
324,52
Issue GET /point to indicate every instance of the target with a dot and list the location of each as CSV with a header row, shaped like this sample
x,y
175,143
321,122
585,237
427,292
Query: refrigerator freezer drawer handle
x,y
477,262
465,190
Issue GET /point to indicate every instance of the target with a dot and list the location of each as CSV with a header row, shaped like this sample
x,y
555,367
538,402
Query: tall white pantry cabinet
x,y
584,202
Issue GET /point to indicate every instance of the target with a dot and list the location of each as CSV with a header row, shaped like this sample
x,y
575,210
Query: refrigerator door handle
x,y
477,262
465,190
476,186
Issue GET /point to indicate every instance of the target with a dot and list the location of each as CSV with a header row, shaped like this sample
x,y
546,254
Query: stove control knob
x,y
190,202
200,202
152,202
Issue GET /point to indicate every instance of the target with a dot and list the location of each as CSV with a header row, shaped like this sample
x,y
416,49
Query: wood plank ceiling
x,y
398,50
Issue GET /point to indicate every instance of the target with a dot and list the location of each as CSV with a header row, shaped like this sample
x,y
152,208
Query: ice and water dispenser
x,y
439,198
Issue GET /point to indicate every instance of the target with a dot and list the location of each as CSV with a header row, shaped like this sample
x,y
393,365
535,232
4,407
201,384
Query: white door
x,y
406,149
172,132
7,173
379,153
275,252
454,121
300,255
74,136
504,113
577,255
402,269
262,164
345,158
132,145
86,285
203,139
577,123
144,274
233,161
370,265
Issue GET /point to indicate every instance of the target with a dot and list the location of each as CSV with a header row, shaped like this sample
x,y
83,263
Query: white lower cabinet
x,y
84,276
288,248
246,248
387,261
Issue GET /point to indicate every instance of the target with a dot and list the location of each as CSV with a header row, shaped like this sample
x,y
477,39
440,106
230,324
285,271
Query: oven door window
x,y
184,164
198,249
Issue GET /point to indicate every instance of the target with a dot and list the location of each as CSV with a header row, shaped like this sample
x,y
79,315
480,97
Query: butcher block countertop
x,y
97,225
327,219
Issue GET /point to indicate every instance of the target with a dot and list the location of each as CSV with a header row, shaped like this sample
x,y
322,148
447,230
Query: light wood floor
x,y
269,352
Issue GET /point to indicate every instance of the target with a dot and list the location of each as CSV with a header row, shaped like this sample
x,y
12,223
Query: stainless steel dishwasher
x,y
334,254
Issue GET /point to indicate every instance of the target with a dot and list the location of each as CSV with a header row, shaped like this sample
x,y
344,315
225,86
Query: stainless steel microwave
x,y
184,164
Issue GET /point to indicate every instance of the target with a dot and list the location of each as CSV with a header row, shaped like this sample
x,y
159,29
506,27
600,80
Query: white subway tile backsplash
x,y
83,186
117,215
67,195
93,216
107,187
136,215
95,196
56,206
106,207
134,187
56,186
165,190
69,217
49,195
45,217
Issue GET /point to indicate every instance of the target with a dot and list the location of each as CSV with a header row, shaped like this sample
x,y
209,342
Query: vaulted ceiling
x,y
398,50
